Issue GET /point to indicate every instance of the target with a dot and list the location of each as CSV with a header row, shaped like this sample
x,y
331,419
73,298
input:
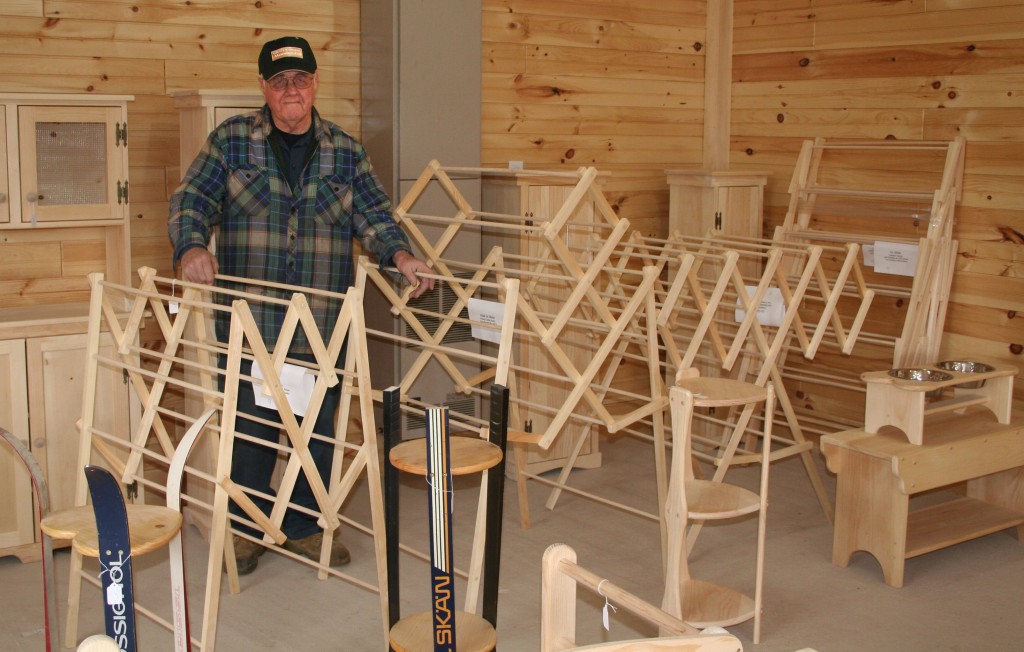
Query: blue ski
x,y
115,556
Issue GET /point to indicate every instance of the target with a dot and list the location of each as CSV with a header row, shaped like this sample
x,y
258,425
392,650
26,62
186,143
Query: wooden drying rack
x,y
181,311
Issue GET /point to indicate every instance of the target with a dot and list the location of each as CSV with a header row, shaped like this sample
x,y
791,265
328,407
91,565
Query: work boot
x,y
247,555
310,547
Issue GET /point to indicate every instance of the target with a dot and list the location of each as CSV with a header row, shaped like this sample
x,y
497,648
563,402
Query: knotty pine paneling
x,y
618,85
910,70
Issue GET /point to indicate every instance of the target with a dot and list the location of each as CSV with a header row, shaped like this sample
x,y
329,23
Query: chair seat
x,y
468,455
705,604
149,527
722,392
415,633
708,500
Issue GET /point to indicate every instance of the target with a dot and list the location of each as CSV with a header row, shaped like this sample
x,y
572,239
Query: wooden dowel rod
x,y
437,219
618,595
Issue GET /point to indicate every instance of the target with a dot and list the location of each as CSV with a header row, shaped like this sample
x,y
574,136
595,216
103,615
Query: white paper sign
x,y
869,255
297,383
895,258
486,312
771,310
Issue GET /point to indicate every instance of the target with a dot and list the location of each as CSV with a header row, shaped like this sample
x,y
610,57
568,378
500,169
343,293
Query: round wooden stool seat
x,y
149,526
468,455
722,392
706,499
415,633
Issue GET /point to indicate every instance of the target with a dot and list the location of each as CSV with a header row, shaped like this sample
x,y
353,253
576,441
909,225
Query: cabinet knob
x,y
3,197
39,443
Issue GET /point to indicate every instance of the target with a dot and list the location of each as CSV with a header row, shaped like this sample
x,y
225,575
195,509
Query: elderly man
x,y
288,191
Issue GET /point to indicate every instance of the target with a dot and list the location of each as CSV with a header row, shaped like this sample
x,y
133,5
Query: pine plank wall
x,y
614,83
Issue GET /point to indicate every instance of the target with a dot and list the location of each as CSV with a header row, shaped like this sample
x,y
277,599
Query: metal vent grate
x,y
440,300
456,403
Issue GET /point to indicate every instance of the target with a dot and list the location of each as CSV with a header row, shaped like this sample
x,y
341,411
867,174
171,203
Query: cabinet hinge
x,y
121,133
133,490
122,192
718,221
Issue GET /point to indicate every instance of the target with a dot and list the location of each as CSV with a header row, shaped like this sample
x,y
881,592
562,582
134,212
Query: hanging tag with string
x,y
172,306
607,605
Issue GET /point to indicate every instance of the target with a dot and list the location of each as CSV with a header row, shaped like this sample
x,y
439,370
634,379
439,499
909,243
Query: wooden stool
x,y
473,633
701,603
151,527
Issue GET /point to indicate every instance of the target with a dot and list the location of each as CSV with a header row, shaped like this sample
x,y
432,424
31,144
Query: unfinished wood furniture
x,y
560,306
710,317
875,192
63,214
902,402
561,574
172,304
538,198
692,502
150,527
199,113
475,629
730,202
879,475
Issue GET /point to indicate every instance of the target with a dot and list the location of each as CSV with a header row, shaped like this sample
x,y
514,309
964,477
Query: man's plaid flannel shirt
x,y
269,232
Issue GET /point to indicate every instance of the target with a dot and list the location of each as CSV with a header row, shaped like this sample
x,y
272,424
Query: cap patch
x,y
286,52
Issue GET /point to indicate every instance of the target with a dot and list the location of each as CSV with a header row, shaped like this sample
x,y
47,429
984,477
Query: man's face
x,y
290,104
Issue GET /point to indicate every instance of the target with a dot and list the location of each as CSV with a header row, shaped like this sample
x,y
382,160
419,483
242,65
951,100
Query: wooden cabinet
x,y
47,382
199,111
538,197
63,215
16,518
731,202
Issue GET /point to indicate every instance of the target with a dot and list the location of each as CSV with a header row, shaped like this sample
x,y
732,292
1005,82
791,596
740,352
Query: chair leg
x,y
74,599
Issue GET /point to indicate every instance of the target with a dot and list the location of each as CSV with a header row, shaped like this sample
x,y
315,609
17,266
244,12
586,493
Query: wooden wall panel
x,y
614,84
909,70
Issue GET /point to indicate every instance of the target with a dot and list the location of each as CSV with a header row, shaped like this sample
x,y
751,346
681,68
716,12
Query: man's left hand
x,y
410,266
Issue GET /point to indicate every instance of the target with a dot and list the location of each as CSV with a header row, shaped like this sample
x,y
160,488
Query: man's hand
x,y
198,265
409,266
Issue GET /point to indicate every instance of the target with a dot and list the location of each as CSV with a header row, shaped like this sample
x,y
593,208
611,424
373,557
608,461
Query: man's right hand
x,y
198,265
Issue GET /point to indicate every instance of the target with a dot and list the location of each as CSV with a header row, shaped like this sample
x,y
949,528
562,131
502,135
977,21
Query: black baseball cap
x,y
286,53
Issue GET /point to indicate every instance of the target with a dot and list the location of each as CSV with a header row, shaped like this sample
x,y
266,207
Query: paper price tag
x,y
770,311
486,312
296,381
897,258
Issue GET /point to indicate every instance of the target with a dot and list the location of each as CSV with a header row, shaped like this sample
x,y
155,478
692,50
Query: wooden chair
x,y
151,527
692,501
560,576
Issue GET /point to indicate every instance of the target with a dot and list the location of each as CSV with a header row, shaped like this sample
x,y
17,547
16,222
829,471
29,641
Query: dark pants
x,y
252,465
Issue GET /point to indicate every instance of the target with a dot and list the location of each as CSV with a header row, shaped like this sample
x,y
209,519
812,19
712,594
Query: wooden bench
x,y
879,473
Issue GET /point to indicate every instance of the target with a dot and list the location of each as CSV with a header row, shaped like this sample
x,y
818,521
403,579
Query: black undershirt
x,y
292,152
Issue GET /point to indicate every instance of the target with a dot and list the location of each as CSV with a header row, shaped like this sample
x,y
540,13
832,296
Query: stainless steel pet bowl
x,y
967,367
922,376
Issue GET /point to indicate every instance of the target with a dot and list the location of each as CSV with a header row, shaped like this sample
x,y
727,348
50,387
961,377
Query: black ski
x,y
115,556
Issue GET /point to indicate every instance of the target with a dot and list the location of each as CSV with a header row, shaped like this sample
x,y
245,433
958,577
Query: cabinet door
x,y
5,187
71,164
542,203
16,512
56,380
